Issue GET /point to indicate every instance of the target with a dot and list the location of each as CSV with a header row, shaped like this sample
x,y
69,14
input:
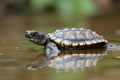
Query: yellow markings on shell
x,y
58,40
66,43
82,43
94,41
74,44
106,41
88,42
103,40
97,40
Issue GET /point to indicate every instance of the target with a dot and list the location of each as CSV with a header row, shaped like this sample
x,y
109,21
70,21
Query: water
x,y
22,60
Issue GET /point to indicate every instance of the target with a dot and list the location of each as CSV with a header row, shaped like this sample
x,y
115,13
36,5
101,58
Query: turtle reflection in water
x,y
67,60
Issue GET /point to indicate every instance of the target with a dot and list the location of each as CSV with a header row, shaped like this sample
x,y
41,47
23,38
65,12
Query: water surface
x,y
16,52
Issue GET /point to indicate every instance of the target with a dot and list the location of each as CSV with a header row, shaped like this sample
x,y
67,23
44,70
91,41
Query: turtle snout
x,y
27,34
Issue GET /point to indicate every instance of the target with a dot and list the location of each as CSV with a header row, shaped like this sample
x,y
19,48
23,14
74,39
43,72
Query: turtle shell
x,y
77,37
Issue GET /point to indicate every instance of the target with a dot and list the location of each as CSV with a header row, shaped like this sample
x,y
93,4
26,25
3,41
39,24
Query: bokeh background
x,y
17,16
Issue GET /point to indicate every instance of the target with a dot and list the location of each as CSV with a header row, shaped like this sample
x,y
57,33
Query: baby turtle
x,y
68,38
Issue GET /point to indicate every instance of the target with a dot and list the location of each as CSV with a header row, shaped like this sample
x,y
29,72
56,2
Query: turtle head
x,y
36,37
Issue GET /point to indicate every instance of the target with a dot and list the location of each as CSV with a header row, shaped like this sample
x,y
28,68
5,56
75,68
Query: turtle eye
x,y
34,34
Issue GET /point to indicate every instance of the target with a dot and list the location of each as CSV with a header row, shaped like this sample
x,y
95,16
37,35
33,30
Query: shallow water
x,y
22,60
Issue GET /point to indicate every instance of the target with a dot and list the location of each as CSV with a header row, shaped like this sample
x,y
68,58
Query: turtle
x,y
68,38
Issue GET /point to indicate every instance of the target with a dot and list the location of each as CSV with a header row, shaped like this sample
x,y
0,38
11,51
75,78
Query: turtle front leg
x,y
52,49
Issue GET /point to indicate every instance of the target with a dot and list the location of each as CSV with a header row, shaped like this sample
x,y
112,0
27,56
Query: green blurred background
x,y
55,14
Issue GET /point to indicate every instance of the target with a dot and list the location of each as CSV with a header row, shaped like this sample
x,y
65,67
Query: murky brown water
x,y
16,52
